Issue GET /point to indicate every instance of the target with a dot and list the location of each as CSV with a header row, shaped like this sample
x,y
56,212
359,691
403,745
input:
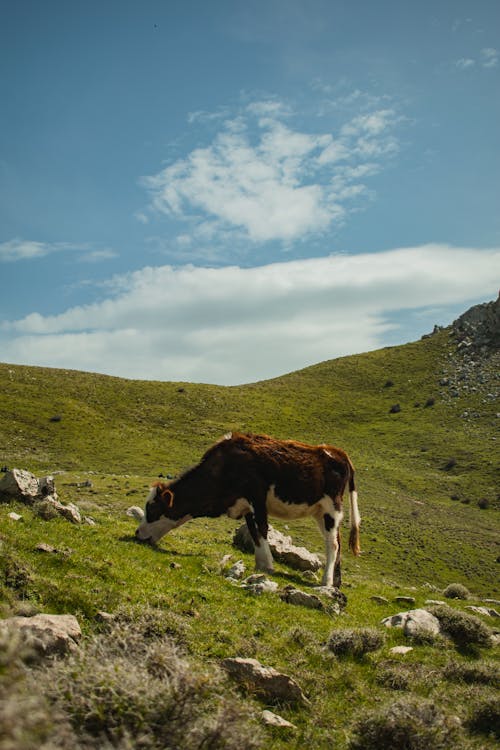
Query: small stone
x,y
237,570
379,599
135,512
273,720
292,595
404,599
44,547
15,517
487,611
401,650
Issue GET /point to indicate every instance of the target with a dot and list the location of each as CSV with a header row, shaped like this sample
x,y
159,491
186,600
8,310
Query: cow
x,y
254,476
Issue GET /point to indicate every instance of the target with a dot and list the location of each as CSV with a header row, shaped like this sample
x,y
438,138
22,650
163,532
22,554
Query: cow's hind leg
x,y
258,532
329,526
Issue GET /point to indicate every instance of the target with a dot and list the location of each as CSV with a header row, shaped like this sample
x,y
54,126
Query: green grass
x,y
416,540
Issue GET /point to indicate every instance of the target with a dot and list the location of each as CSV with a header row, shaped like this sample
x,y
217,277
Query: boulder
x,y
18,484
265,681
413,622
282,548
44,635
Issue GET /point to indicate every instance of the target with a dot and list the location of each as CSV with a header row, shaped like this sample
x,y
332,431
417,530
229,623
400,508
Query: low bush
x,y
482,673
484,717
124,688
467,631
355,642
409,724
456,591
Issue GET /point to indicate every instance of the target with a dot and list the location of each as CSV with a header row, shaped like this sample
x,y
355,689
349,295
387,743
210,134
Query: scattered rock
x,y
404,599
258,584
291,595
413,622
483,611
273,720
135,512
331,592
282,548
44,547
379,599
236,571
395,409
401,650
45,635
265,681
15,517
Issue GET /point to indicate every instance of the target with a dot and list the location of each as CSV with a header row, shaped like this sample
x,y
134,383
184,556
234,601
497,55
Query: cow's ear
x,y
164,493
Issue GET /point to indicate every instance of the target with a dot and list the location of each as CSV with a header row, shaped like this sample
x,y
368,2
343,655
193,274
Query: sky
x,y
227,191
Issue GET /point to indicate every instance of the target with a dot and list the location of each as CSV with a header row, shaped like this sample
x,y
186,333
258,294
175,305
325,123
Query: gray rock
x,y
483,611
282,548
135,512
236,571
44,635
265,681
413,622
402,650
379,599
273,720
291,595
259,584
15,517
404,599
18,484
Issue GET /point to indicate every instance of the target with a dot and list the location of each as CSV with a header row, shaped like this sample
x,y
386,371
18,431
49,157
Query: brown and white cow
x,y
255,476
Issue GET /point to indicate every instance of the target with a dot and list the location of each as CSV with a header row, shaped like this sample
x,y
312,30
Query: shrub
x,y
120,690
465,630
483,673
456,591
409,724
355,642
484,717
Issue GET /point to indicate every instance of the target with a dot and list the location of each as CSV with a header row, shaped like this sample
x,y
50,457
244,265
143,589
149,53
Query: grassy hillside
x,y
416,539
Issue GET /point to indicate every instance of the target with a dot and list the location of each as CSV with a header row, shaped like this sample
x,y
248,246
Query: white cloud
x,y
489,57
465,63
19,250
232,325
262,180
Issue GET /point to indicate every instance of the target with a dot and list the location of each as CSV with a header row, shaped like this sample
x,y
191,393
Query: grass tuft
x,y
409,724
355,641
456,591
467,631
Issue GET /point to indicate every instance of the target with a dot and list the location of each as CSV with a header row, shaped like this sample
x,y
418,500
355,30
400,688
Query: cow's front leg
x,y
258,531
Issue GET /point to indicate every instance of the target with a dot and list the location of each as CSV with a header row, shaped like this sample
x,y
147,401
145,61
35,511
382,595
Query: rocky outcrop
x,y
479,327
21,485
282,548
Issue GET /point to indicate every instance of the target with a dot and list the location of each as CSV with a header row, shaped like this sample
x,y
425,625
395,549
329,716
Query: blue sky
x,y
227,191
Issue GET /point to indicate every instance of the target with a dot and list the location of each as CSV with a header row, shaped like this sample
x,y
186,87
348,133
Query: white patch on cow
x,y
154,531
228,436
288,511
240,508
263,556
327,453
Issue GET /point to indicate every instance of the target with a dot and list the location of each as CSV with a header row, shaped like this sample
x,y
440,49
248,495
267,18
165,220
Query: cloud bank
x,y
234,325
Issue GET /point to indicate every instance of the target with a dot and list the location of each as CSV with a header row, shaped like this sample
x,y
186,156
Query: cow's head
x,y
160,514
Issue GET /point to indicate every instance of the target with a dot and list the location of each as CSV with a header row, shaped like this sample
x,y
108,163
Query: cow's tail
x,y
354,517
